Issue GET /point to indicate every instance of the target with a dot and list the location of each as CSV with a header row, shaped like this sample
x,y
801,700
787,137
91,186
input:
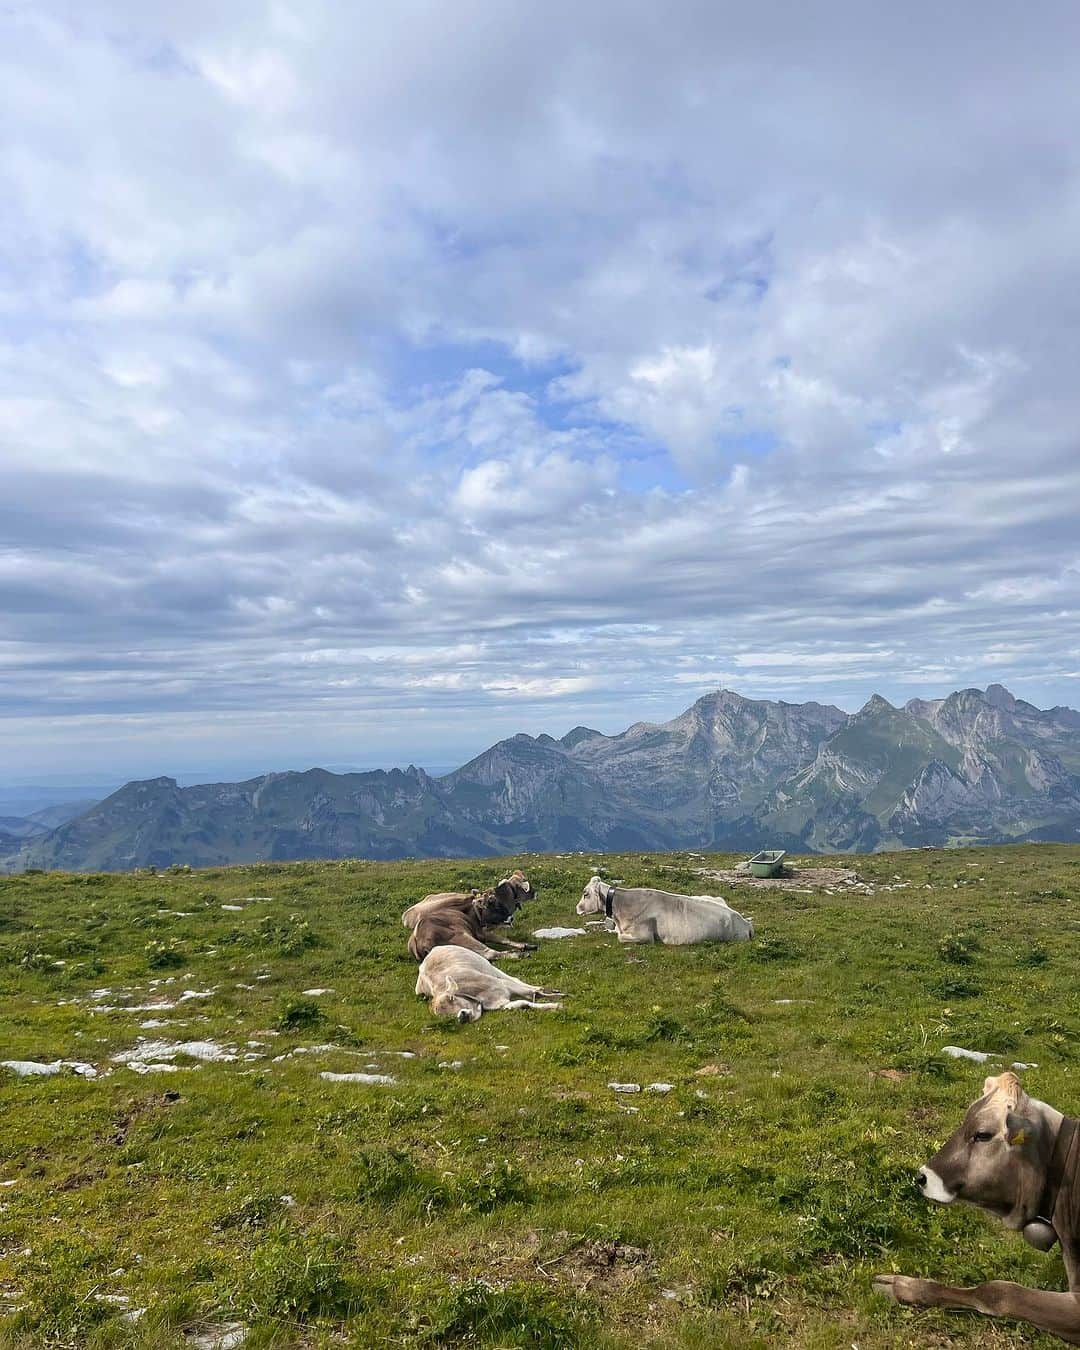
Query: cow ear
x,y
1018,1130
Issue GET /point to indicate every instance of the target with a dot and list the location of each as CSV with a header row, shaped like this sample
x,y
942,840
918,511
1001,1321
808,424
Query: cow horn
x,y
1007,1084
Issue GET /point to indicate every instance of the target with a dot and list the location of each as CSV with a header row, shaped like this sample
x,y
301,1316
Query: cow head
x,y
997,1159
592,897
451,1002
500,903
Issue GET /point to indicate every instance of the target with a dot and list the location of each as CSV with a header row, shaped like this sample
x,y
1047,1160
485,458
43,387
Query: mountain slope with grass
x,y
976,767
186,1167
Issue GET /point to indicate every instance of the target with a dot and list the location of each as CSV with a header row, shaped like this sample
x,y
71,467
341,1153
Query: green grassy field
x,y
515,1199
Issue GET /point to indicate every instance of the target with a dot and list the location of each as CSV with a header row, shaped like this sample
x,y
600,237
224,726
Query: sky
x,y
377,381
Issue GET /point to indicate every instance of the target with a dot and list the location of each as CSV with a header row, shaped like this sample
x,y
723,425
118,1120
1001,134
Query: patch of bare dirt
x,y
840,879
607,1265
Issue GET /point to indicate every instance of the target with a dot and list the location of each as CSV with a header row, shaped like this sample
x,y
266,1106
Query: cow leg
x,y
1045,1309
470,943
512,947
519,988
529,1003
641,932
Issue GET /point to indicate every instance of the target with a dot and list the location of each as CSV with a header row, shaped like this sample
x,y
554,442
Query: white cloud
x,y
424,368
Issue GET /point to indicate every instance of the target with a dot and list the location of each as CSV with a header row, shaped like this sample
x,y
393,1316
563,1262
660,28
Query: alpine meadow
x,y
495,1190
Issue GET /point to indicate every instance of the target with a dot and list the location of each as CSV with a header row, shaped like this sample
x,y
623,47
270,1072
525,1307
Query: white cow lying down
x,y
644,915
464,985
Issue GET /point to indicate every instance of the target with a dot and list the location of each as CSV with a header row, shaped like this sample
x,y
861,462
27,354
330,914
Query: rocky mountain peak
x,y
874,706
1000,697
577,735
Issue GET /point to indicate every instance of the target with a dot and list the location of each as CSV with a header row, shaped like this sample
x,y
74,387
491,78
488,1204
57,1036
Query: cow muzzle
x,y
933,1188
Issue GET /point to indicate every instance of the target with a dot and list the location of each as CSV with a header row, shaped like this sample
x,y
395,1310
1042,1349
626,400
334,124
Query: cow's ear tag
x,y
1017,1130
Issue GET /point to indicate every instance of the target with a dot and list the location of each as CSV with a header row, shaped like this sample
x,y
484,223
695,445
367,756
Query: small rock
x,y
625,1087
228,1336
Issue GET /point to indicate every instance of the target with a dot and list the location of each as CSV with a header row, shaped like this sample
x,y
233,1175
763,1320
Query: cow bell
x,y
1039,1234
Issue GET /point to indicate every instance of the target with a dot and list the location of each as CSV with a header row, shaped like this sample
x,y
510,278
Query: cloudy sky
x,y
379,380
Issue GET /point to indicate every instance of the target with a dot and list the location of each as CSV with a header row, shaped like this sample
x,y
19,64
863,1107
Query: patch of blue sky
x,y
412,367
650,469
883,429
748,441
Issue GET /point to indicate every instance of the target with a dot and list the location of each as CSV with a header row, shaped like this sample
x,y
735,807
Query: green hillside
x,y
498,1192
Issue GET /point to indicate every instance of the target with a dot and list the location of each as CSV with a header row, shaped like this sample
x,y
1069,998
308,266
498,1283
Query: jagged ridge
x,y
730,772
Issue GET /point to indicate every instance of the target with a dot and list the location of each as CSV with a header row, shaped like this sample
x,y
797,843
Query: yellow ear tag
x,y
1020,1137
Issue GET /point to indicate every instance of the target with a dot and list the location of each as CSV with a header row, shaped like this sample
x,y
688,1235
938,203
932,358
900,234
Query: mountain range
x,y
979,766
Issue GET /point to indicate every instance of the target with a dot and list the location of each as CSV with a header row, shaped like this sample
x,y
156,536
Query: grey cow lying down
x,y
642,914
465,985
1019,1159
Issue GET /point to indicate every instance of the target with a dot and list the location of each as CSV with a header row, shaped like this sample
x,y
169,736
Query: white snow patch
x,y
659,1087
625,1087
156,1051
314,993
236,909
189,994
161,1006
138,1066
451,1064
29,1068
558,932
958,1052
357,1077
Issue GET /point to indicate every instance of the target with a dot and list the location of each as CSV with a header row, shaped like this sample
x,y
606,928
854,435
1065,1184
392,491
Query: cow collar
x,y
1062,1146
609,900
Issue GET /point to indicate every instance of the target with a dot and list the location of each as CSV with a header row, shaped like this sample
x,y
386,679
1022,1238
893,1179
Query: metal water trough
x,y
768,863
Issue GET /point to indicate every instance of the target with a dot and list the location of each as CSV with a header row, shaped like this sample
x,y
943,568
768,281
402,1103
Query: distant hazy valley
x,y
729,773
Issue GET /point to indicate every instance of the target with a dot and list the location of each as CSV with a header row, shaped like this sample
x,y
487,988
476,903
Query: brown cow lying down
x,y
463,919
1019,1159
465,985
